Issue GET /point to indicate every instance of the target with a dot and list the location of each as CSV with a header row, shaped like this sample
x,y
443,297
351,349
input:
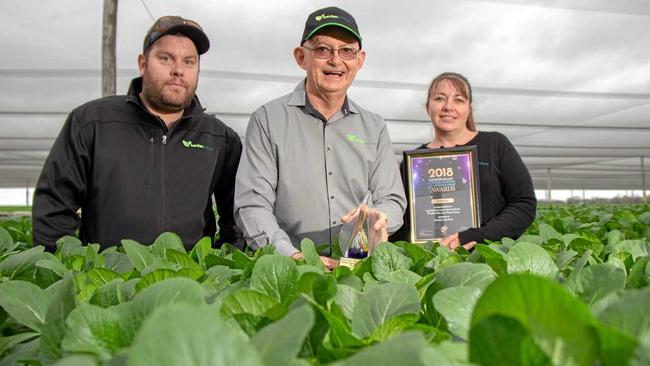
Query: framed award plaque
x,y
442,188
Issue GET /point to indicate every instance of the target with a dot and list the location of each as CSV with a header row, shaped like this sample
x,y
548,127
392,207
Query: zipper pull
x,y
151,139
164,140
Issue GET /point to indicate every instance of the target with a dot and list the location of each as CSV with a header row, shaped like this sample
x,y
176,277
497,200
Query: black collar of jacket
x,y
133,96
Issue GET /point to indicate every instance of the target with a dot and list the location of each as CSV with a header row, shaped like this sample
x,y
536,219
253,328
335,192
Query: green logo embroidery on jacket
x,y
190,145
355,138
323,16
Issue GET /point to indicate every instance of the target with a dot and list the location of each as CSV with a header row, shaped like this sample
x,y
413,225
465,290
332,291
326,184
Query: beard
x,y
166,101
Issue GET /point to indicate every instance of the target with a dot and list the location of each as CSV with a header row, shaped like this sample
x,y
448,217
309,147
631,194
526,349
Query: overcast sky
x,y
522,57
599,47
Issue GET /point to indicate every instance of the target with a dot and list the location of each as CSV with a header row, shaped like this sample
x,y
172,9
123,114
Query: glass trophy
x,y
357,238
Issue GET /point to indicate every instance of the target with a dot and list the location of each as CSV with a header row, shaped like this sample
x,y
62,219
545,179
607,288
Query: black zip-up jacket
x,y
134,178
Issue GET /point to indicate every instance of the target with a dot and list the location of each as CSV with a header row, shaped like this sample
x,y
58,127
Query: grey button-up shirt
x,y
299,174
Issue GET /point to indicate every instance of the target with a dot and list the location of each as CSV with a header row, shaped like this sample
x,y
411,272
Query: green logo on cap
x,y
323,16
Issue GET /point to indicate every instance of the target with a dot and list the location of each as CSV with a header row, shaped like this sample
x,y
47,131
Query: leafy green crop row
x,y
20,229
572,291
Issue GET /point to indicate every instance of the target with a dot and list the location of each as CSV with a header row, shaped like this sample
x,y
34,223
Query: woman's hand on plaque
x,y
453,241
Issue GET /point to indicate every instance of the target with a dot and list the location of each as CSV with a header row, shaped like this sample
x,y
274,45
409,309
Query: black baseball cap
x,y
330,16
172,24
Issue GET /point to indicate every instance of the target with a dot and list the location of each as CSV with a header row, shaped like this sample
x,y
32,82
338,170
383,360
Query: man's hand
x,y
452,242
353,213
329,263
380,226
379,218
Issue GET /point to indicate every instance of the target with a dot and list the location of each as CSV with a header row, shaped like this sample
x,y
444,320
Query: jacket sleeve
x,y
386,183
225,192
520,202
255,188
61,187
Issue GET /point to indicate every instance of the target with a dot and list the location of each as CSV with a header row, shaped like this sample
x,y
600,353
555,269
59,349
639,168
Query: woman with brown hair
x,y
508,200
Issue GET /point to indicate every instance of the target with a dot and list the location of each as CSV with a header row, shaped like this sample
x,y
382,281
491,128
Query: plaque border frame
x,y
475,196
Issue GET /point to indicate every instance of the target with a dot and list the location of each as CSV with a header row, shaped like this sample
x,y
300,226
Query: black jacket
x,y
508,203
134,178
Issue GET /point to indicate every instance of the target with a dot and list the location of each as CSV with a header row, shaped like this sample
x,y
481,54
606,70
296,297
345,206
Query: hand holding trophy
x,y
363,229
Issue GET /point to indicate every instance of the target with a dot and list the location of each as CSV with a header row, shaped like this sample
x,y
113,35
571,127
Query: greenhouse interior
x,y
567,83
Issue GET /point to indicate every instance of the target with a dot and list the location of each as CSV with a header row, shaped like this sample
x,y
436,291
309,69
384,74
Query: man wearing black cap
x,y
143,163
312,156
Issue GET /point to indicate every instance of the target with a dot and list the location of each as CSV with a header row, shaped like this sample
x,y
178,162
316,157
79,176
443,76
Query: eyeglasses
x,y
323,52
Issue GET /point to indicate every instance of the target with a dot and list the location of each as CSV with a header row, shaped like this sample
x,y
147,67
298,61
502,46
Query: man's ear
x,y
361,58
142,63
299,55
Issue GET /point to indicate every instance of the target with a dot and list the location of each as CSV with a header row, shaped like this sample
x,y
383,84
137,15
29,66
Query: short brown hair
x,y
462,85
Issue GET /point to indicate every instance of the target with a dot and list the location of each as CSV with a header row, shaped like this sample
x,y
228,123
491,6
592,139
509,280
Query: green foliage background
x,y
572,291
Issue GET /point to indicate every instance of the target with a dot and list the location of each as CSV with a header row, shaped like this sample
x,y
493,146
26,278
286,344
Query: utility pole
x,y
548,184
645,199
109,29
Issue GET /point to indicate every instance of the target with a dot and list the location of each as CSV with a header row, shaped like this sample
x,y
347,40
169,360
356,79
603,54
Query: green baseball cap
x,y
327,17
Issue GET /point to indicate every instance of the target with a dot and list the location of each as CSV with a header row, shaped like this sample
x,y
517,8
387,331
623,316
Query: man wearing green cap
x,y
146,162
311,157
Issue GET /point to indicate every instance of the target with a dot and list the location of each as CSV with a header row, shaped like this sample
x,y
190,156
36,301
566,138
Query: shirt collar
x,y
299,98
